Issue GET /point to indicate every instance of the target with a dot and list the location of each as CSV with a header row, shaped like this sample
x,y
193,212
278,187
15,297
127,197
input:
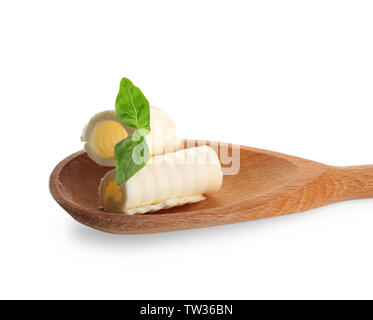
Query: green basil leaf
x,y
131,155
131,106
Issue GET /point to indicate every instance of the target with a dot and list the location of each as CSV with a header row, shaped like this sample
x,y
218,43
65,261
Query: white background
x,y
289,76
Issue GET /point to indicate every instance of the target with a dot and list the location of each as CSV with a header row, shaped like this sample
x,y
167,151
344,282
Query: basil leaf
x,y
131,155
131,106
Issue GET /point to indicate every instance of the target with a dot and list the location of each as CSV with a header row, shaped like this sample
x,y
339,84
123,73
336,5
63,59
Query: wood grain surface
x,y
268,184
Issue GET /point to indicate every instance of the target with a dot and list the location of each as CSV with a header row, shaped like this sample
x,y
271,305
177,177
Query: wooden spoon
x,y
268,184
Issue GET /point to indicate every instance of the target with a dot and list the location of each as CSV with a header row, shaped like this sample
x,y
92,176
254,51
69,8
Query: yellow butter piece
x,y
106,135
112,191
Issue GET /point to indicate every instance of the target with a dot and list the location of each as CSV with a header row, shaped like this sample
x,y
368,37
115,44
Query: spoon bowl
x,y
267,184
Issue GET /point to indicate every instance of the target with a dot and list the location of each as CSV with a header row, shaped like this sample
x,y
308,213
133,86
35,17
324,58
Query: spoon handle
x,y
355,182
335,184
